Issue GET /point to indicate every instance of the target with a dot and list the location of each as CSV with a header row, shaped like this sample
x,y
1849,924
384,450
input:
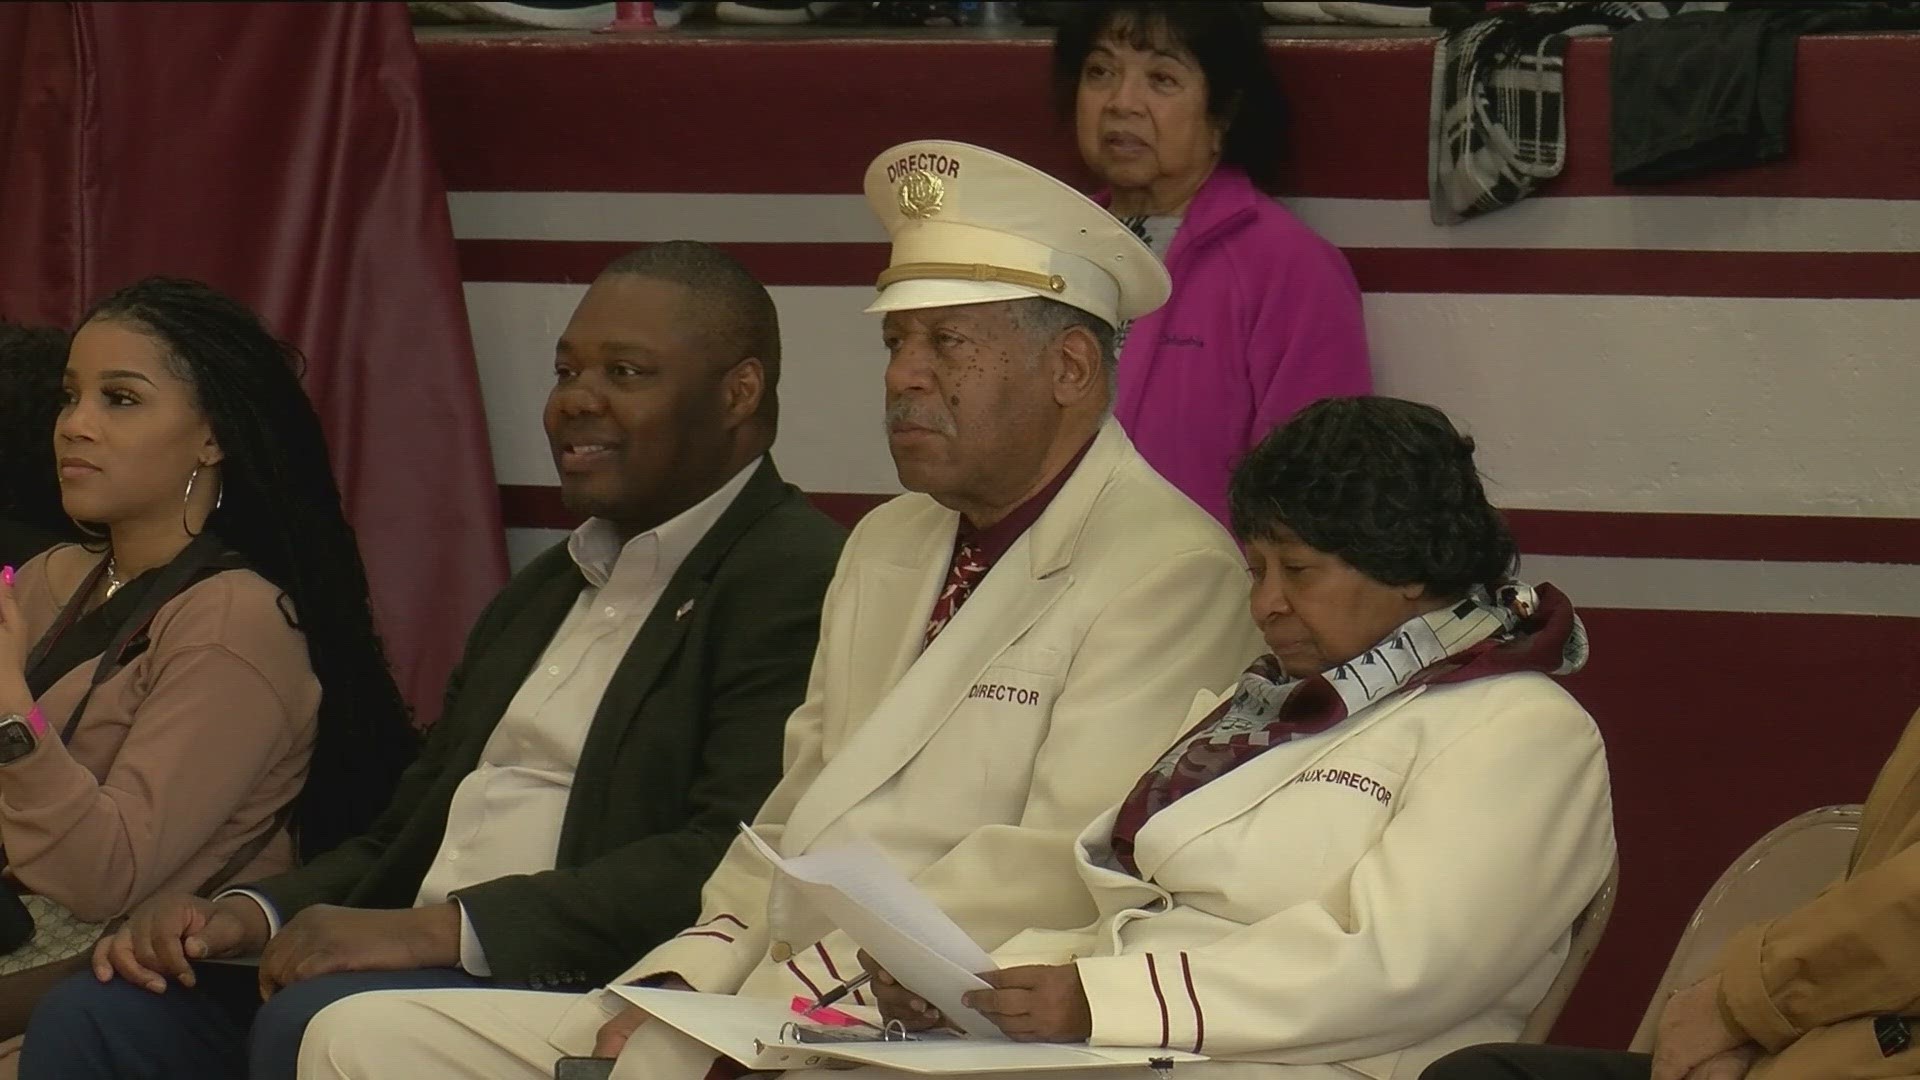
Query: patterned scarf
x,y
1514,627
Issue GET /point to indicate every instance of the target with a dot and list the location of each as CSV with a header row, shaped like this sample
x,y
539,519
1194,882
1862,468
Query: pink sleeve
x,y
1309,339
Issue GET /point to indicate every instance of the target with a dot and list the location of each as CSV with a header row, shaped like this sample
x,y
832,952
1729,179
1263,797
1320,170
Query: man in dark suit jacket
x,y
577,789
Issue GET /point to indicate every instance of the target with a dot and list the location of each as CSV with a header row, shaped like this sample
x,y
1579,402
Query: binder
x,y
762,1035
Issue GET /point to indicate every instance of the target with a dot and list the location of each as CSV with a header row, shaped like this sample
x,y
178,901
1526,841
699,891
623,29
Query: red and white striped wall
x,y
1696,452
1697,402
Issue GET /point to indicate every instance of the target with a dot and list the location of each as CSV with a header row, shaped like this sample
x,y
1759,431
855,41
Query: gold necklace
x,y
113,578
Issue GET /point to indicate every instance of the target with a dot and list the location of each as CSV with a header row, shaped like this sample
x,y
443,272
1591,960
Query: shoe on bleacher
x,y
547,14
1045,12
843,12
1394,13
1389,13
917,13
429,14
764,12
1296,12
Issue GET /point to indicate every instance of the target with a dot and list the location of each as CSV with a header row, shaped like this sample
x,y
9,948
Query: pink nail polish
x,y
6,575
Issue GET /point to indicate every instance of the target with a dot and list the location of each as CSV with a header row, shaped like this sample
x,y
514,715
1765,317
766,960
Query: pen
x,y
842,990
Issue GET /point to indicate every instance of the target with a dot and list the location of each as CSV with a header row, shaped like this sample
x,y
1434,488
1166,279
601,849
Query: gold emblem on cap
x,y
921,193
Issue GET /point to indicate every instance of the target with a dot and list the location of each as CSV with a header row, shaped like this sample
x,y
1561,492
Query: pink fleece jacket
x,y
1264,319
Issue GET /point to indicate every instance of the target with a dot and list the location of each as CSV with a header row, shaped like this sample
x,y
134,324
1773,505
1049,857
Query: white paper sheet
x,y
857,889
729,1025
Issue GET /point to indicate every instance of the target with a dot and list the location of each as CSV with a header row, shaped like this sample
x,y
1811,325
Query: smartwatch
x,y
19,735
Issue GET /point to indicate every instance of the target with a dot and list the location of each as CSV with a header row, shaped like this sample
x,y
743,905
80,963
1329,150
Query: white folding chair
x,y
1588,927
1781,871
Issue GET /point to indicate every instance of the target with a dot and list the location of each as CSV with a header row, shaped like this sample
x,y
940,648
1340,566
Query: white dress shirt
x,y
506,814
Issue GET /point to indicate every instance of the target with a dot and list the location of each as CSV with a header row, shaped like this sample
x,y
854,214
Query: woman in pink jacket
x,y
1176,110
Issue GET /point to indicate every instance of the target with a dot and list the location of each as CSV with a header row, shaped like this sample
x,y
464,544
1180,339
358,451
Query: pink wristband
x,y
37,722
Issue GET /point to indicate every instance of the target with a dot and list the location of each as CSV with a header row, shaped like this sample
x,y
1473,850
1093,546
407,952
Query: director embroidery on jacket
x,y
1364,784
1018,695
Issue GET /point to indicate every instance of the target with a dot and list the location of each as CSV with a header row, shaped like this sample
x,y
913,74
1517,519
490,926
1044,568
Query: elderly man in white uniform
x,y
1001,653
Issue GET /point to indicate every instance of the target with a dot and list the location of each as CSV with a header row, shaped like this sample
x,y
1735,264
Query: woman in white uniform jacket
x,y
1370,853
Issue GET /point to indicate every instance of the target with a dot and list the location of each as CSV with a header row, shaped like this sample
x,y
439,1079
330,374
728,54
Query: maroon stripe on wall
x,y
579,262
1599,533
1808,275
806,115
1757,537
1815,275
1821,275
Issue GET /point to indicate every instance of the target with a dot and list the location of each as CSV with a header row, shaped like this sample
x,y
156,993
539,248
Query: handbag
x,y
53,933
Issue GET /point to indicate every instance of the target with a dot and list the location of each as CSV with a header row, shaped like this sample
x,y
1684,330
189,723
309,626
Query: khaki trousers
x,y
519,1034
495,1034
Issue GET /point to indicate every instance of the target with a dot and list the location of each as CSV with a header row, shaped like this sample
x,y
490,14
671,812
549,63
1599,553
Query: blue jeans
x,y
219,1030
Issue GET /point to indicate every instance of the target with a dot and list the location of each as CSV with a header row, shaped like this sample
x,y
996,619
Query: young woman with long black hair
x,y
198,695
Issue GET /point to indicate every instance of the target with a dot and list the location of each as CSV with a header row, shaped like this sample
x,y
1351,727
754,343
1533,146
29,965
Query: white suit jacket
x,y
1376,895
976,764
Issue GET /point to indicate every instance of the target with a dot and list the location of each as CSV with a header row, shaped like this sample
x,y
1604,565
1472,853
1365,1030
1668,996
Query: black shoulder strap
x,y
69,614
171,579
248,852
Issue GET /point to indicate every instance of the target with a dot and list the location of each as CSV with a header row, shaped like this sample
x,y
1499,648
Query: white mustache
x,y
904,414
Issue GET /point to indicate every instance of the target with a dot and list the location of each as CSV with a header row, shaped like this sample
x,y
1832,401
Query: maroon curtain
x,y
277,151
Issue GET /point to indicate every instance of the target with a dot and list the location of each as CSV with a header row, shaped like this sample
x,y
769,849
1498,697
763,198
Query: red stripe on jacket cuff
x,y
1199,1017
833,970
1166,1021
802,976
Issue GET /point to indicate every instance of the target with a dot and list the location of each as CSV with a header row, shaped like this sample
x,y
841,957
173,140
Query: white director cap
x,y
971,226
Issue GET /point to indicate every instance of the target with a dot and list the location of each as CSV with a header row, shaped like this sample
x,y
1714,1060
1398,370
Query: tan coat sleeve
x,y
198,742
1847,953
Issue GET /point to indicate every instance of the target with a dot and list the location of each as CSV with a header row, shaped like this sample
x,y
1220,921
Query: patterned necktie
x,y
966,573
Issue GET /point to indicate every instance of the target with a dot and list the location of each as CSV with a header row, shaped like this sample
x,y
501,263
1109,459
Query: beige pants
x,y
500,1035
504,1035
519,1034
491,1034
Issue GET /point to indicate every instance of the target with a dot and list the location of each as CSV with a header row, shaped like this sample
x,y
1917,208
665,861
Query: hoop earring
x,y
186,501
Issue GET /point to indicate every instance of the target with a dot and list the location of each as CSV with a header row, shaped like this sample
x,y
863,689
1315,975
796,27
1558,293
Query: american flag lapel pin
x,y
682,613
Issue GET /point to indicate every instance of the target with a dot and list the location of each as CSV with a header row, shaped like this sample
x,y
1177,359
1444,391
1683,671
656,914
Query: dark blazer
x,y
685,745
